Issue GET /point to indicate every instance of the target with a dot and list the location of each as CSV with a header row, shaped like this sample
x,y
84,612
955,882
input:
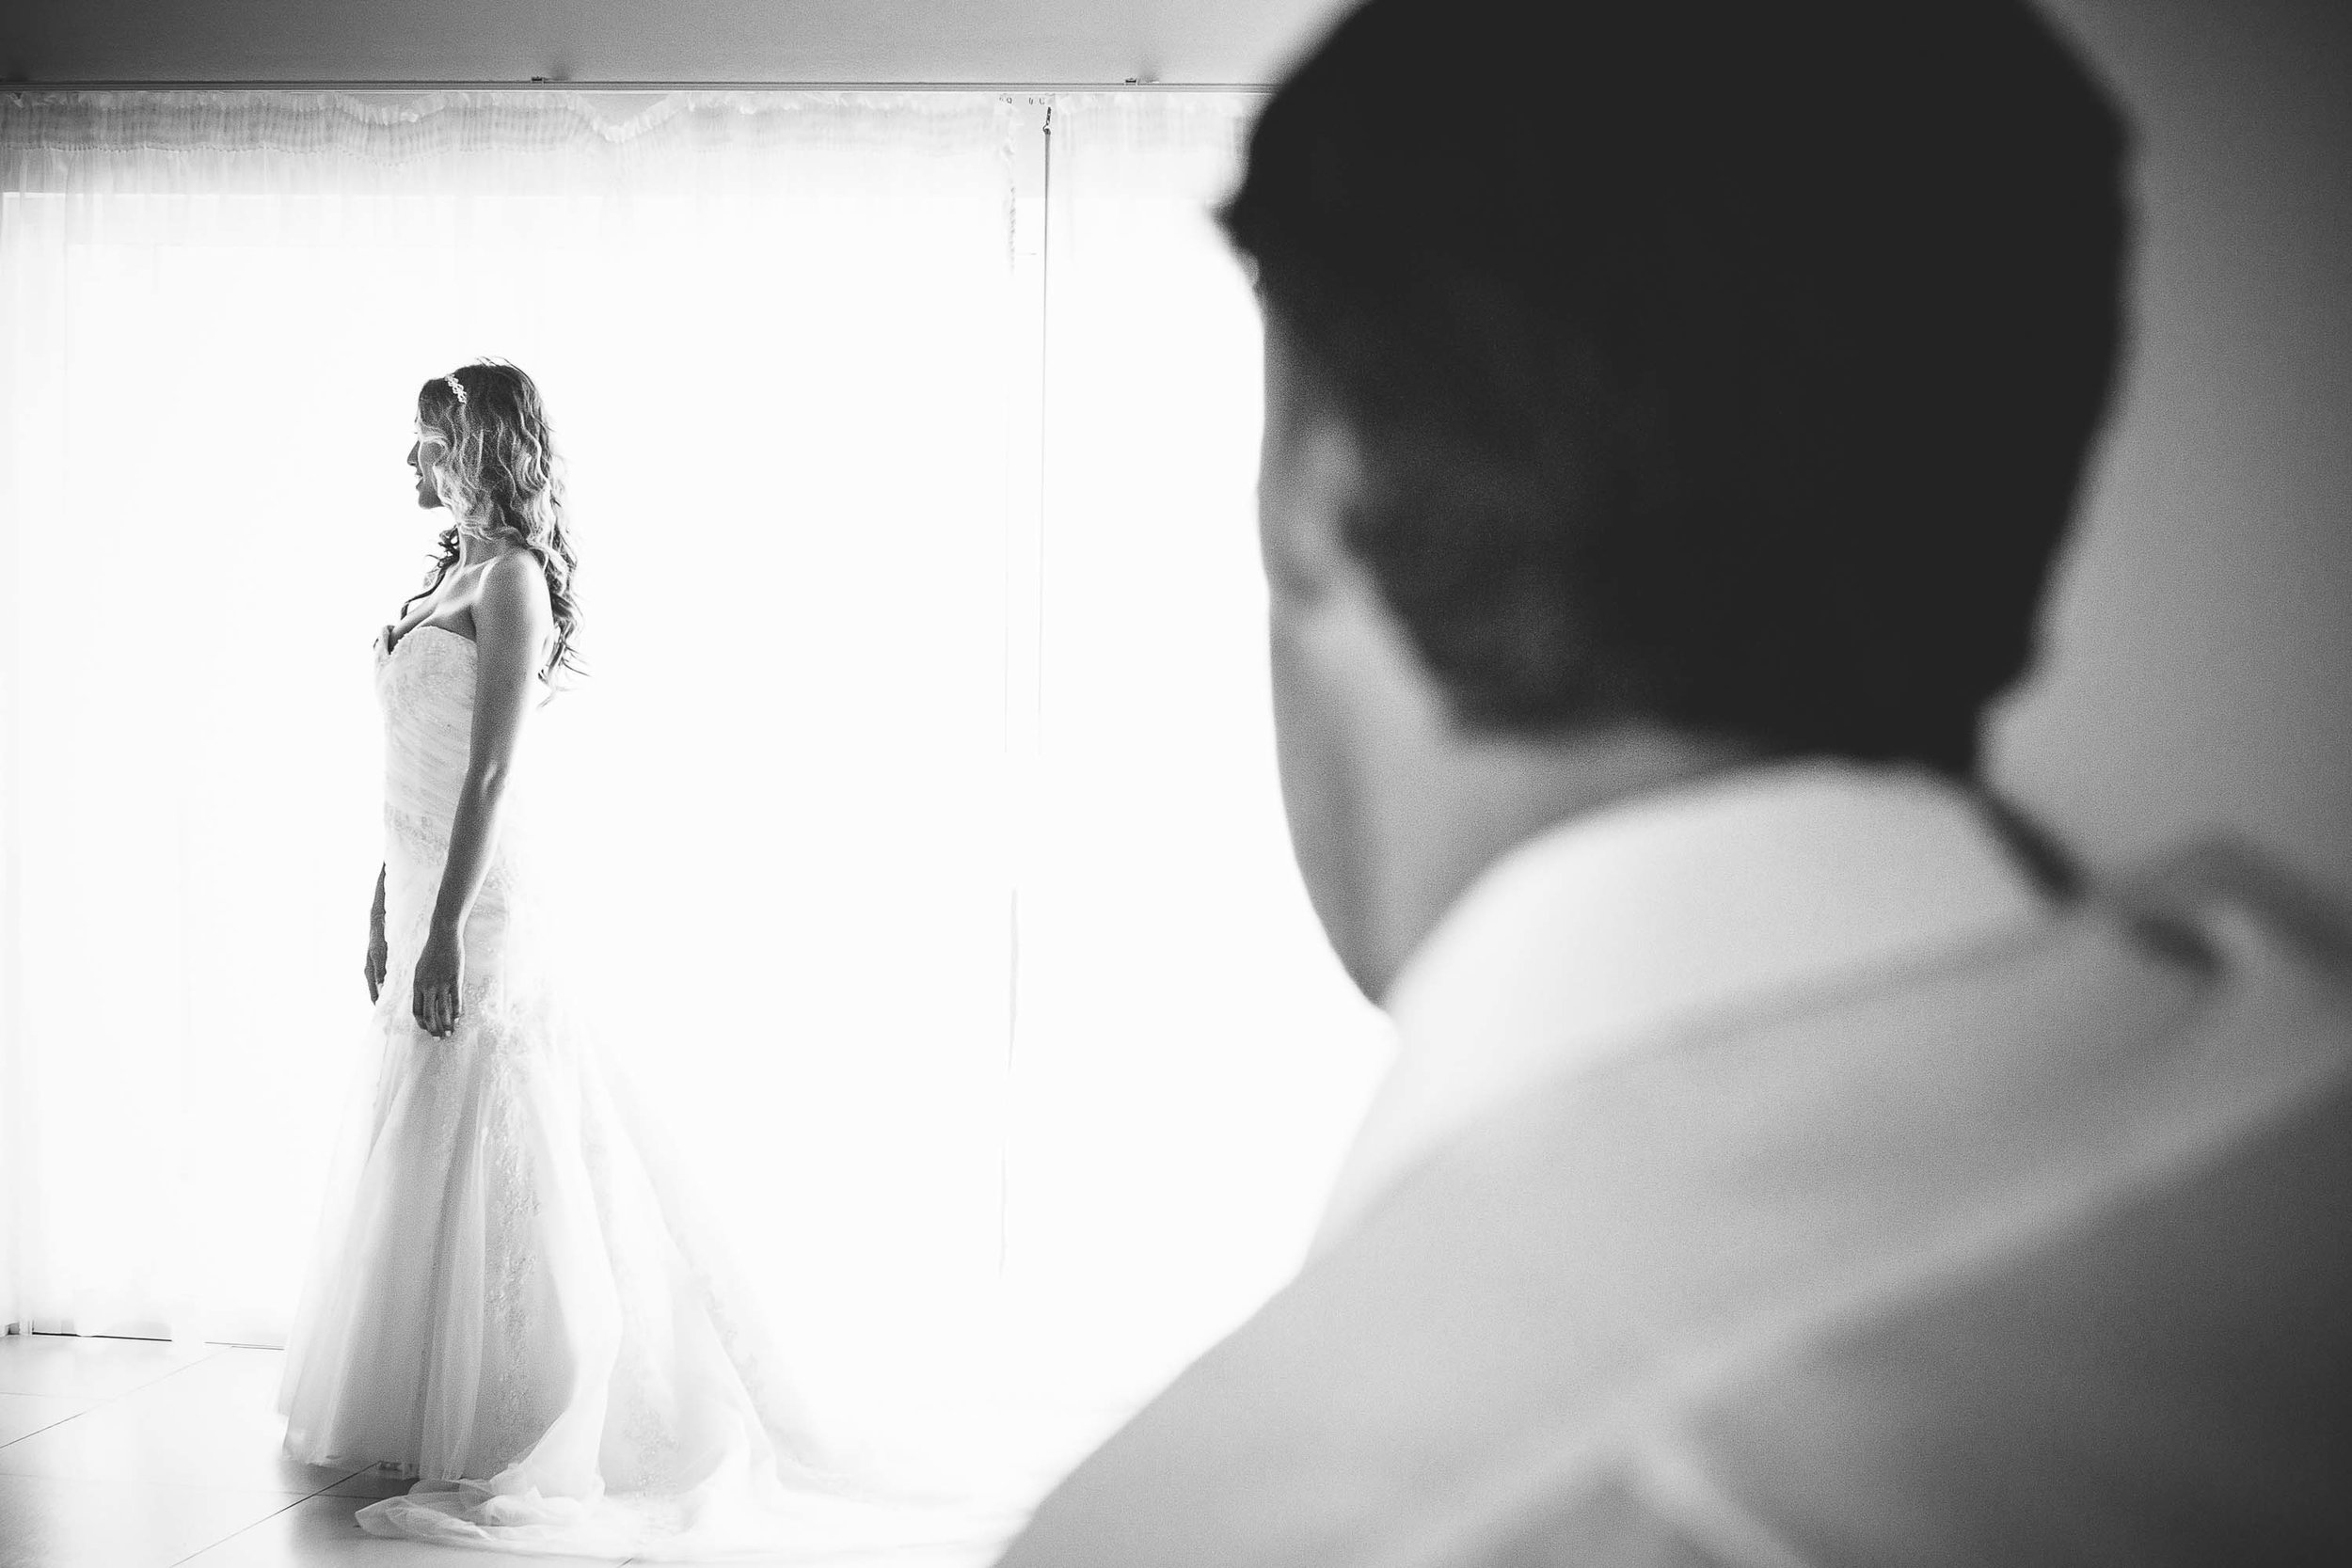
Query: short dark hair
x,y
1724,364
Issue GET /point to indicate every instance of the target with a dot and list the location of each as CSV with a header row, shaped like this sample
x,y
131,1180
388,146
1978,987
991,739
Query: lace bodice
x,y
425,686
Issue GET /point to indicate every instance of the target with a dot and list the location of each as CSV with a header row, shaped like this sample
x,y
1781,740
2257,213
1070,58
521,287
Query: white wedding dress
x,y
510,1302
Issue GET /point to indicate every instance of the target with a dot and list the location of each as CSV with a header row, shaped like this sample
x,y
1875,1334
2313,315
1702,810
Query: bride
x,y
510,1303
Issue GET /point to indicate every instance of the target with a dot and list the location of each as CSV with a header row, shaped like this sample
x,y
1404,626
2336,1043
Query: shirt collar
x,y
1711,898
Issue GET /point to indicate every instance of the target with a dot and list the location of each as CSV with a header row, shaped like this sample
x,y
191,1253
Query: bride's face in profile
x,y
421,454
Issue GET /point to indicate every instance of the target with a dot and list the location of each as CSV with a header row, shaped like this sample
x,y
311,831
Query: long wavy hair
x,y
497,472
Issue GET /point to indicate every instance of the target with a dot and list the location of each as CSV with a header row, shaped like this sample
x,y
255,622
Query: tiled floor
x,y
139,1453
134,1453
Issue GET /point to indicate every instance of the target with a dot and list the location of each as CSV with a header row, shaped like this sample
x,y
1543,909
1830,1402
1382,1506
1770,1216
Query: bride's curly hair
x,y
499,476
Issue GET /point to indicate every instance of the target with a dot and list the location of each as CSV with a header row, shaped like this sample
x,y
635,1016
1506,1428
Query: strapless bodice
x,y
425,684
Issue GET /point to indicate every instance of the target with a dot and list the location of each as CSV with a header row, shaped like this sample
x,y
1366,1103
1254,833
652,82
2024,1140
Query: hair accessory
x,y
456,387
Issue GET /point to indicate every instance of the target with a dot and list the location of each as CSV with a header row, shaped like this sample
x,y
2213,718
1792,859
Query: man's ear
x,y
1311,468
1314,469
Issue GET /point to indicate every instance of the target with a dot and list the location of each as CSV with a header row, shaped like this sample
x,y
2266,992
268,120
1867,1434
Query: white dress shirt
x,y
1633,921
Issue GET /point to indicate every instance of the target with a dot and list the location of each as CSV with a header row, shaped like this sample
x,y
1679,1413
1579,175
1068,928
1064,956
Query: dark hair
x,y
500,478
1726,364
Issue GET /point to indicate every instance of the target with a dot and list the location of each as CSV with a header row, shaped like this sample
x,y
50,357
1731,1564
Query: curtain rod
x,y
542,85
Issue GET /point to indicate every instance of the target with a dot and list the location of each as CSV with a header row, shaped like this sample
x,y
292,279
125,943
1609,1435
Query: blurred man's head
x,y
1693,369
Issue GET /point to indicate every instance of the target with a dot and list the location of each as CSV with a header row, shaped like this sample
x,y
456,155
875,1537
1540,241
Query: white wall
x,y
2199,662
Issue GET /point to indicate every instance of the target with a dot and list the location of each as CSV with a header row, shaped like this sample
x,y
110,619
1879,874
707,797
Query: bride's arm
x,y
511,623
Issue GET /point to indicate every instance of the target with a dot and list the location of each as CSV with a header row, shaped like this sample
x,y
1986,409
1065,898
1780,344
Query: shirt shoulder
x,y
1837,1284
2134,1352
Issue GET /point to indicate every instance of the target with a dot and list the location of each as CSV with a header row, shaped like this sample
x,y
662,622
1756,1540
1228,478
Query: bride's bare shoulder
x,y
512,596
518,569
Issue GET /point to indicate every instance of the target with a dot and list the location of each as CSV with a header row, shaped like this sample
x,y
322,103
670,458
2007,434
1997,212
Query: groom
x,y
1672,412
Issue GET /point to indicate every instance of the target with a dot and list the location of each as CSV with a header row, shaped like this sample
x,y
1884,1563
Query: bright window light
x,y
916,827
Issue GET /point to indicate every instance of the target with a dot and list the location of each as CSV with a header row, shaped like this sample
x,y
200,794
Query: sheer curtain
x,y
924,860
1190,1060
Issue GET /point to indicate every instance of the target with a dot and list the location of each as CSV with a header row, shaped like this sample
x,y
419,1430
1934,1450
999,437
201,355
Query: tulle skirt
x,y
512,1303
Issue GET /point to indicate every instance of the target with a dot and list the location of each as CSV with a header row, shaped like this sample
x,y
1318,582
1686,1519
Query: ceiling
x,y
1008,41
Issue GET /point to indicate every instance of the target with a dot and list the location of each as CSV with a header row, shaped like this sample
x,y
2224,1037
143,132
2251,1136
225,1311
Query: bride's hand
x,y
379,959
379,956
440,975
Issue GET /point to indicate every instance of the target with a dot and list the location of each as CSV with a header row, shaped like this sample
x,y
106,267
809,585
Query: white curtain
x,y
1190,1061
925,859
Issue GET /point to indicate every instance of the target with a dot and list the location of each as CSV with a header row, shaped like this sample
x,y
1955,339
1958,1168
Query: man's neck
x,y
1448,813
